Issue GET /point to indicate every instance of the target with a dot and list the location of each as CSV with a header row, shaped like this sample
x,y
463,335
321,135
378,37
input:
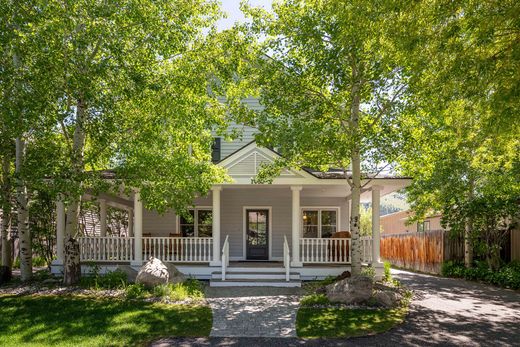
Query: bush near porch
x,y
87,321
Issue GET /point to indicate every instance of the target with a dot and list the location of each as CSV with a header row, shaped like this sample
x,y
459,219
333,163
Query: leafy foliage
x,y
116,279
507,276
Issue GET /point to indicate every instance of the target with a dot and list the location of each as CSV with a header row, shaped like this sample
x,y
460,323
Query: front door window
x,y
257,234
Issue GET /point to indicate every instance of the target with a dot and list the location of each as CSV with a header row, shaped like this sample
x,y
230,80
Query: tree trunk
x,y
6,217
468,231
356,181
24,233
355,226
72,268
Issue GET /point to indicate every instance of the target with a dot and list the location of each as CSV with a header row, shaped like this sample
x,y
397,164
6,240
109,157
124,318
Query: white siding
x,y
247,134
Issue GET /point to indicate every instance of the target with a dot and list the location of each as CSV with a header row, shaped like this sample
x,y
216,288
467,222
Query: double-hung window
x,y
319,222
199,225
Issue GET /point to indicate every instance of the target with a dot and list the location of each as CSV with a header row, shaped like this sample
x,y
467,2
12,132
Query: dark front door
x,y
257,234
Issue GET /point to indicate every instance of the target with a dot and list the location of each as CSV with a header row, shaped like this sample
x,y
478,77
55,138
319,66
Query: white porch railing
x,y
106,249
225,257
178,249
286,259
333,250
170,249
366,249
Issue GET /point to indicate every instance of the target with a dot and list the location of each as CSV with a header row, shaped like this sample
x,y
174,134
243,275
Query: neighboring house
x,y
398,223
243,233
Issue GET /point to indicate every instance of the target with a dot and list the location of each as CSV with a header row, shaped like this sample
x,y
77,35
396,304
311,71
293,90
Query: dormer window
x,y
215,150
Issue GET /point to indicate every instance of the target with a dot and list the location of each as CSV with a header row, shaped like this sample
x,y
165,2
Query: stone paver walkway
x,y
253,311
444,312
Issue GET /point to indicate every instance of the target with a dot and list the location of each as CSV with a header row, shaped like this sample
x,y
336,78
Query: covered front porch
x,y
289,247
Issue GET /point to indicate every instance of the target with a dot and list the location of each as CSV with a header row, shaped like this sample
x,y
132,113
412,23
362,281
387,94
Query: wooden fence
x,y
424,251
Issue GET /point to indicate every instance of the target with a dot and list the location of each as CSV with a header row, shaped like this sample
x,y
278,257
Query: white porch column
x,y
102,217
138,229
130,222
376,235
60,230
296,216
216,226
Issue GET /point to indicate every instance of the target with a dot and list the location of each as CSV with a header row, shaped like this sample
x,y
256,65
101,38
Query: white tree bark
x,y
6,213
72,265
468,244
24,233
356,181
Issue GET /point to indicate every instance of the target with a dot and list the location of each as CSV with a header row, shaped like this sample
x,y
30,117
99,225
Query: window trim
x,y
195,220
320,209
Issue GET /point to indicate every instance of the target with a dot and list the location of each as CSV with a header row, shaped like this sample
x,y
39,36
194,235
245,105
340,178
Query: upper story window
x,y
215,149
199,225
423,226
319,222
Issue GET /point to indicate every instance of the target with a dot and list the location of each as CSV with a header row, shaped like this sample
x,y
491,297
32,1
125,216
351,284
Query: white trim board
x,y
270,233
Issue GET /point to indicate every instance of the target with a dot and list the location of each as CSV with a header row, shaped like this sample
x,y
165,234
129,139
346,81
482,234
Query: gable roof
x,y
244,164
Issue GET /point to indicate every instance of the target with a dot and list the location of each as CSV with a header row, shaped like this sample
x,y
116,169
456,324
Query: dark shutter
x,y
215,150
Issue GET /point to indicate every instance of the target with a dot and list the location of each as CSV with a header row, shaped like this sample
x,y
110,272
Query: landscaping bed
x,y
319,317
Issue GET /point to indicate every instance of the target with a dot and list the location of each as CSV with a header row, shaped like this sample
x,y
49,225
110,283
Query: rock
x,y
131,273
175,275
5,274
387,299
321,290
343,275
353,290
153,273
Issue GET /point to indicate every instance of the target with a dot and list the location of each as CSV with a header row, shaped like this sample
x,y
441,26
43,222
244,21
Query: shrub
x,y
387,276
507,276
314,299
135,291
191,288
39,261
111,280
368,271
162,291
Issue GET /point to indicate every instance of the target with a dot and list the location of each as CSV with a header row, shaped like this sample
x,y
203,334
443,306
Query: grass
x,y
342,322
189,289
86,321
318,317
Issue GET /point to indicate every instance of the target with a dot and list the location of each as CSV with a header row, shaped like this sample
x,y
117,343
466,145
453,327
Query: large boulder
x,y
153,273
175,275
352,290
131,273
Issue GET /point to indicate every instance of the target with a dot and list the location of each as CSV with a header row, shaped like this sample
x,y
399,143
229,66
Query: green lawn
x,y
341,322
85,321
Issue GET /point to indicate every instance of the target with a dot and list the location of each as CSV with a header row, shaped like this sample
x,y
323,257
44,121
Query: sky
x,y
232,8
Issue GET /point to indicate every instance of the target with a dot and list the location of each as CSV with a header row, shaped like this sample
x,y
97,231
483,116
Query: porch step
x,y
257,269
254,283
249,275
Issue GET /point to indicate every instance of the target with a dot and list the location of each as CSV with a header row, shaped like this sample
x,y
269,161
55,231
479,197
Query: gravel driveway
x,y
447,312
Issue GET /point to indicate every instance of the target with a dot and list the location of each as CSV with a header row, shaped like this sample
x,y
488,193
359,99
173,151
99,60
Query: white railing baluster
x,y
326,250
170,249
